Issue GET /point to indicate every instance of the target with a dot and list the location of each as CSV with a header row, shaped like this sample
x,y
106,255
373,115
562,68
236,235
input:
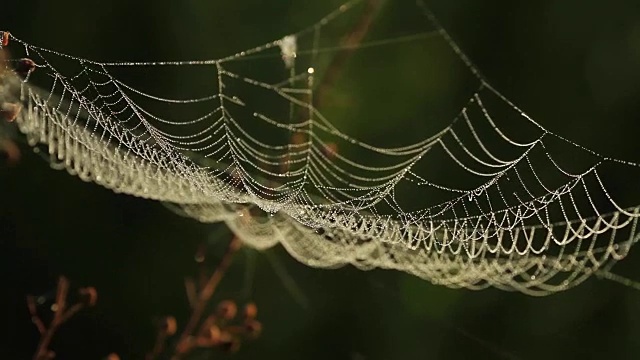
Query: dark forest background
x,y
573,65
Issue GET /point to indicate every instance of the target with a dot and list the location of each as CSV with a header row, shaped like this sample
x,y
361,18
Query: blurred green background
x,y
573,65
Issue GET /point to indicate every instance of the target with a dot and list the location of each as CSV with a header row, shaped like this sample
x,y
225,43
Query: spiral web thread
x,y
514,230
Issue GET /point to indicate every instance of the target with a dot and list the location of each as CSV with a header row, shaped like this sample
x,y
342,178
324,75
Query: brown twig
x,y
168,327
31,304
61,315
43,351
317,98
158,346
192,293
350,43
184,342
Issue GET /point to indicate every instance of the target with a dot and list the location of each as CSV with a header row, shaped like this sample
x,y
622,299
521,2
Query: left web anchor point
x,y
4,38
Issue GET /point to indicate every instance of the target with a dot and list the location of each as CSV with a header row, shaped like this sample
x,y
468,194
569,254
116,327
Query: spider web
x,y
491,198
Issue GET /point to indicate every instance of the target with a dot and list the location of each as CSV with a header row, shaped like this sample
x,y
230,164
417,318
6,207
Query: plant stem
x,y
58,319
350,43
206,292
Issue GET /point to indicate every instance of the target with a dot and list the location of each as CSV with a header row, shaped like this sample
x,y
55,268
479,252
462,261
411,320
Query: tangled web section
x,y
490,198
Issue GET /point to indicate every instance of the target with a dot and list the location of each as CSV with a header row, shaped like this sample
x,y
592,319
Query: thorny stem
x,y
207,291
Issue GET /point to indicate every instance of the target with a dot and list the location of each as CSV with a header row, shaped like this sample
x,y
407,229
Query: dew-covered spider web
x,y
263,141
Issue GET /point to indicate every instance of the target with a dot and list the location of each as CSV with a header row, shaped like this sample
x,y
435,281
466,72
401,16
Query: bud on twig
x,y
10,111
227,310
215,334
169,325
88,296
250,311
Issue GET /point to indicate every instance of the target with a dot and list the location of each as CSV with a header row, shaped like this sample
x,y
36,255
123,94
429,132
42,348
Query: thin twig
x,y
61,300
69,313
287,281
349,45
190,289
317,98
158,346
200,258
60,316
167,327
31,304
183,345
